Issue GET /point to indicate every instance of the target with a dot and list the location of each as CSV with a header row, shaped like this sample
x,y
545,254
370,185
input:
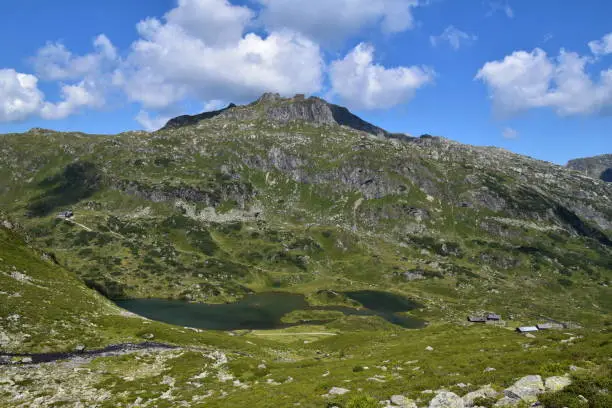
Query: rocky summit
x,y
378,245
272,107
597,167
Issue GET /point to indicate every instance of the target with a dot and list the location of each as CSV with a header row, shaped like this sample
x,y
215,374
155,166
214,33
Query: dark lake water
x,y
265,310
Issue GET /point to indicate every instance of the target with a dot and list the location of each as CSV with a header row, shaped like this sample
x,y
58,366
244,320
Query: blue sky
x,y
534,77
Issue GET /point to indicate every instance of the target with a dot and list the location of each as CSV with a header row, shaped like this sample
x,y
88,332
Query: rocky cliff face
x,y
274,108
597,167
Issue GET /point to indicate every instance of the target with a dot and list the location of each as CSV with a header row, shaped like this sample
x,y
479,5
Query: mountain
x,y
302,197
597,167
274,108
284,192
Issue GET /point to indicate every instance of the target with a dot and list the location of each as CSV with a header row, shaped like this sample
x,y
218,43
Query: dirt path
x,y
112,350
296,334
85,227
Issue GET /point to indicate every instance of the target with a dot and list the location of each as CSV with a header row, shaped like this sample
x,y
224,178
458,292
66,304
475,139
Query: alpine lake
x,y
265,310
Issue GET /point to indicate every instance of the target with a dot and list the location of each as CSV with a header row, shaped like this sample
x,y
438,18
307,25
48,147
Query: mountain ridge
x,y
273,107
598,167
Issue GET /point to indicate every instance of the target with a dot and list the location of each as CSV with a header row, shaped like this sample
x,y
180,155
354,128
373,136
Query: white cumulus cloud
x,y
363,84
215,22
55,62
151,122
603,46
526,80
215,50
177,59
74,97
331,21
19,95
453,36
20,98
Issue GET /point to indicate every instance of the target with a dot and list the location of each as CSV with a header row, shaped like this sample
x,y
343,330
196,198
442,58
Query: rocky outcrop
x,y
485,392
526,390
274,108
557,383
237,192
597,166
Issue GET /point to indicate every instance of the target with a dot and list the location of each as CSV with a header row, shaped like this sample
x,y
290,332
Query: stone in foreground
x,y
446,399
526,389
338,391
403,402
557,383
484,392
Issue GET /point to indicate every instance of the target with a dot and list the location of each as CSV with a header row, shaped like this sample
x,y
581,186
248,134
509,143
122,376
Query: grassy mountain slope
x,y
246,201
277,195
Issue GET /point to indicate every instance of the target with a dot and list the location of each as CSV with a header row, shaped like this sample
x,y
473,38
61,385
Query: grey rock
x,y
446,399
79,348
484,392
413,275
557,383
403,402
526,389
338,391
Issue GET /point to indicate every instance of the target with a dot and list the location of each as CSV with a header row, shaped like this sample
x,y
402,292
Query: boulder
x,y
446,399
429,348
79,348
338,391
484,392
526,389
403,402
557,383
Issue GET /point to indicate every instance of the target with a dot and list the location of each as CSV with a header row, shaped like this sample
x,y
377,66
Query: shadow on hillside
x,y
606,175
77,181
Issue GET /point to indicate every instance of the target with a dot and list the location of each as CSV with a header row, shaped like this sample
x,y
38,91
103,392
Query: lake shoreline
x,y
265,311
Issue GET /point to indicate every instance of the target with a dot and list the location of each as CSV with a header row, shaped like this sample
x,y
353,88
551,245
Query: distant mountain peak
x,y
597,166
284,110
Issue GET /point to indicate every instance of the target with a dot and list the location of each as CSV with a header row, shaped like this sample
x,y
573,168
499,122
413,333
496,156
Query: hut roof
x,y
542,326
525,329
